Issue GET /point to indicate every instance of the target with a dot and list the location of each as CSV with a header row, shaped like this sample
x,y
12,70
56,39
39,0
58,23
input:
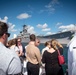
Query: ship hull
x,y
67,34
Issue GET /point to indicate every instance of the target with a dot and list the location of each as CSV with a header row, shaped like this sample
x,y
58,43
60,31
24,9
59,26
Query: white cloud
x,y
54,2
48,33
23,16
68,27
4,20
59,23
11,27
46,29
31,29
39,26
50,7
14,36
42,26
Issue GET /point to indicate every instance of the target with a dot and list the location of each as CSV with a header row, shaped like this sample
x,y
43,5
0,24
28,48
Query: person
x,y
37,42
12,46
22,49
50,58
72,56
9,43
9,61
47,46
33,56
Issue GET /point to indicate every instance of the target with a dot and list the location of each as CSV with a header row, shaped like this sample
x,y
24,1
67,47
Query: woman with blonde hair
x,y
56,45
50,58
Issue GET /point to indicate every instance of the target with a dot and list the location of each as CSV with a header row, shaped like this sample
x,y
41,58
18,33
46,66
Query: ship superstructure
x,y
24,33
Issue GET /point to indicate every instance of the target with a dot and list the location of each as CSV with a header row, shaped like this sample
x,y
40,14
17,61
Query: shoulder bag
x,y
60,58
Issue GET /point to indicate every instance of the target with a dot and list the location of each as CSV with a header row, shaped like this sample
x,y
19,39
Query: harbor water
x,y
65,53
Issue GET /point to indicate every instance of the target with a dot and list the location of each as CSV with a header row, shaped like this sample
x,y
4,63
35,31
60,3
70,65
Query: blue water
x,y
65,53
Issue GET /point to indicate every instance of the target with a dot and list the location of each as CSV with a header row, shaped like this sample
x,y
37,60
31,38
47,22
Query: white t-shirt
x,y
15,48
72,58
43,50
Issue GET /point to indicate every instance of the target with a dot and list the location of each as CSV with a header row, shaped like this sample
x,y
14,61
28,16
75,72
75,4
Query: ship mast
x,y
25,28
25,31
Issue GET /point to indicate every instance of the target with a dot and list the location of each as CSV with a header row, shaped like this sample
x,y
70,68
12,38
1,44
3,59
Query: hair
x,y
59,45
47,43
13,42
3,28
32,37
10,43
55,44
18,38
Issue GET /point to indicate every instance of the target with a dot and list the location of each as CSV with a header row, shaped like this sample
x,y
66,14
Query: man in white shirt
x,y
9,61
72,56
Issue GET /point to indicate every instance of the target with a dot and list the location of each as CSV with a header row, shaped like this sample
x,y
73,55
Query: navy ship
x,y
62,37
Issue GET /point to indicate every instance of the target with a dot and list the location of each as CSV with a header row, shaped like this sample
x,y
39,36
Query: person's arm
x,y
42,51
14,66
38,55
43,57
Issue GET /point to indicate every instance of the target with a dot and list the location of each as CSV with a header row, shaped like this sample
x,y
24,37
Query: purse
x,y
60,58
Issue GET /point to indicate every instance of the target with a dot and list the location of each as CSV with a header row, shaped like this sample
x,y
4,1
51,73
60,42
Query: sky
x,y
43,17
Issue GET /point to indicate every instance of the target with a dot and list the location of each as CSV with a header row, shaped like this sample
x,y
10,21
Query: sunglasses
x,y
38,42
8,34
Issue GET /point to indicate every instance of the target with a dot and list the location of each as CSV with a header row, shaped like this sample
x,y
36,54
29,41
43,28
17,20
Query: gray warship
x,y
62,37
